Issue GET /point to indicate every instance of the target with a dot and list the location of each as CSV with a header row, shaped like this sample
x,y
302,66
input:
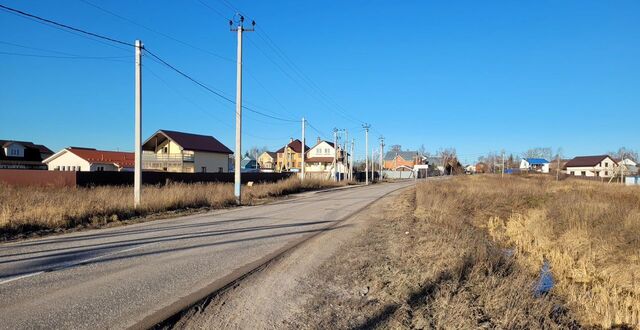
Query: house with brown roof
x,y
172,151
90,160
289,157
319,160
591,166
23,155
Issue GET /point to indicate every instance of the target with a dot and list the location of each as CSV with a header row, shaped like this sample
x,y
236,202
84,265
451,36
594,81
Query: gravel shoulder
x,y
281,291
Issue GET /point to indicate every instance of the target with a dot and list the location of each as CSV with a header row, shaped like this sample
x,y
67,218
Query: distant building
x,y
23,155
534,165
401,160
172,151
628,167
319,160
482,167
592,166
289,157
267,160
90,160
248,164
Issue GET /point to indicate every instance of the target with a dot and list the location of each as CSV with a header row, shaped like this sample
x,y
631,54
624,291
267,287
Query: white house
x,y
319,160
592,166
534,165
90,160
172,151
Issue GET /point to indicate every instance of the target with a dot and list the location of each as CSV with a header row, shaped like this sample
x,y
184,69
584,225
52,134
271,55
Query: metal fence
x,y
85,179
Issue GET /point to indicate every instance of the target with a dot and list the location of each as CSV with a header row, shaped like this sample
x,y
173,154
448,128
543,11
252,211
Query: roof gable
x,y
406,155
586,161
295,145
188,141
93,156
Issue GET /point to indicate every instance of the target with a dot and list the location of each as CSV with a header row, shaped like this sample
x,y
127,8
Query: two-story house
x,y
267,161
319,160
172,151
23,155
592,166
289,157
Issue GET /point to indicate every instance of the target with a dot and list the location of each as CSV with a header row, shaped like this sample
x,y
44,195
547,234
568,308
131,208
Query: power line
x,y
66,57
219,94
156,31
42,19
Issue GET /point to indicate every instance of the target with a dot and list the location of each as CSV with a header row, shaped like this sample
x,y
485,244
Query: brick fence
x,y
85,179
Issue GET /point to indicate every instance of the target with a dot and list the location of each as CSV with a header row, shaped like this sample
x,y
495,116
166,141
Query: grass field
x,y
466,252
25,210
589,232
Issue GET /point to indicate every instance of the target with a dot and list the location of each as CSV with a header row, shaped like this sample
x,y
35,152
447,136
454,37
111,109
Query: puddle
x,y
545,282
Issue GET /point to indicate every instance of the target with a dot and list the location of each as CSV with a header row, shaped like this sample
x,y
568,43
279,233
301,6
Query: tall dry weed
x,y
589,232
28,209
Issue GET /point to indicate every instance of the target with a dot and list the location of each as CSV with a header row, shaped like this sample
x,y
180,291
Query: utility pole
x,y
345,159
237,179
381,155
366,153
137,175
373,165
302,165
335,153
502,175
353,155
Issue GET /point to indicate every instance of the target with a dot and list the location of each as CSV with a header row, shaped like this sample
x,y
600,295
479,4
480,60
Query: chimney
x,y
318,141
290,140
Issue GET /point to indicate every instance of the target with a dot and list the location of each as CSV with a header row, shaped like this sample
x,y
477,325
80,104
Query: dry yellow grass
x,y
422,264
29,209
589,232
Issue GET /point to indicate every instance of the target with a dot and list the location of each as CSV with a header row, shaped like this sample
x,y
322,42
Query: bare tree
x,y
396,148
624,152
545,153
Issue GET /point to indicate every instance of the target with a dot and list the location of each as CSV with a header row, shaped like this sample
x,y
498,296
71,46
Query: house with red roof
x,y
90,160
172,151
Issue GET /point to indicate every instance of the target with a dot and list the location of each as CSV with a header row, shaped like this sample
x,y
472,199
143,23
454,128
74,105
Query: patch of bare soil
x,y
392,267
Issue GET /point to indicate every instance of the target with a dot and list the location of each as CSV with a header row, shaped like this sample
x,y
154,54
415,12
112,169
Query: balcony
x,y
168,162
168,158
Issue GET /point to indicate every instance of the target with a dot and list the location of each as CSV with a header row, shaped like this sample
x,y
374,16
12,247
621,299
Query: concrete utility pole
x,y
366,153
502,175
373,164
302,164
335,154
353,145
381,155
345,159
237,179
137,175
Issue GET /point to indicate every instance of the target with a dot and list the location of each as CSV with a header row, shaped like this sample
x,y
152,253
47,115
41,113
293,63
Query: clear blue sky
x,y
479,76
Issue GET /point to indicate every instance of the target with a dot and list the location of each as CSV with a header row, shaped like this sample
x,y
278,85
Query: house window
x,y
606,173
219,169
583,173
606,164
100,168
204,169
573,172
57,168
165,150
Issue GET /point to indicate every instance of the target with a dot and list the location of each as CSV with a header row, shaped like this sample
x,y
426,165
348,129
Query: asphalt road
x,y
135,276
